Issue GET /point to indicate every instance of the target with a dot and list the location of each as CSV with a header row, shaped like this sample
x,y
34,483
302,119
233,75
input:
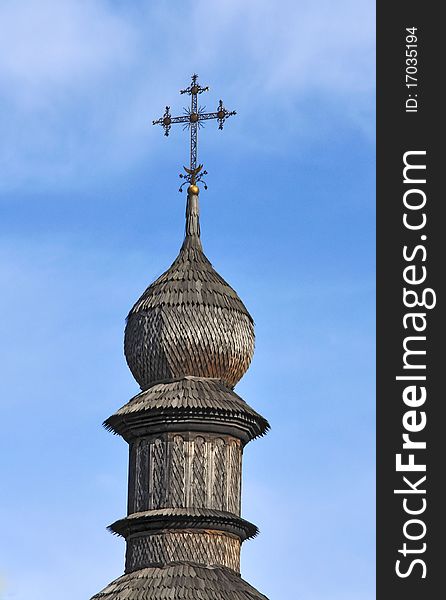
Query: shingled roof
x,y
189,321
183,581
184,518
188,399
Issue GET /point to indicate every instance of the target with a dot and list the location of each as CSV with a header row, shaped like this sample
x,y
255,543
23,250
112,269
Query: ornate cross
x,y
192,120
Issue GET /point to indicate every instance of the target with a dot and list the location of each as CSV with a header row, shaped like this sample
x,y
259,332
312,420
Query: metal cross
x,y
192,120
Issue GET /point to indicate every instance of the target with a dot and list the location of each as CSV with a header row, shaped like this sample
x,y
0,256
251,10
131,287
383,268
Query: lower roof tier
x,y
180,581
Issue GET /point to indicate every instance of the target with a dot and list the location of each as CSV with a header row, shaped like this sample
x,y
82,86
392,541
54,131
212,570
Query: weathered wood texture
x,y
189,400
189,322
183,518
204,547
184,581
180,471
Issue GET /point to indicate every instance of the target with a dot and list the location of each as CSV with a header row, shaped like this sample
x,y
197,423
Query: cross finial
x,y
192,119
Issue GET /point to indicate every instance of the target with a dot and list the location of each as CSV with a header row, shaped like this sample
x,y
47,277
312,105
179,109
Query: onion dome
x,y
189,322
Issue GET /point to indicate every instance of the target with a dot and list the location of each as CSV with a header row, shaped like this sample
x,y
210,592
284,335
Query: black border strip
x,y
398,132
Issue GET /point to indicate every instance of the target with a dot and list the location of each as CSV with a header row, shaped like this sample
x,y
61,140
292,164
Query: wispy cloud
x,y
80,80
51,47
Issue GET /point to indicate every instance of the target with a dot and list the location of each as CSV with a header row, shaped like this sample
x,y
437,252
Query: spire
x,y
193,220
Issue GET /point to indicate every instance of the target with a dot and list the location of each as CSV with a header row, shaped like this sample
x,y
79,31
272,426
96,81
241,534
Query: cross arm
x,y
221,115
166,120
183,119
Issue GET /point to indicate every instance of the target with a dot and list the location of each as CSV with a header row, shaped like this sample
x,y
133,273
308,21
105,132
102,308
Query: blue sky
x,y
90,215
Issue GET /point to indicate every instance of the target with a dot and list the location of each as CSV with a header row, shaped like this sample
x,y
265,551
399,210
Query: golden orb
x,y
194,89
221,114
193,189
167,121
194,117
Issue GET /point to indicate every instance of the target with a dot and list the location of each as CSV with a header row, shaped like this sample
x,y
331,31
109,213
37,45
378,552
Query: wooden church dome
x,y
189,322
